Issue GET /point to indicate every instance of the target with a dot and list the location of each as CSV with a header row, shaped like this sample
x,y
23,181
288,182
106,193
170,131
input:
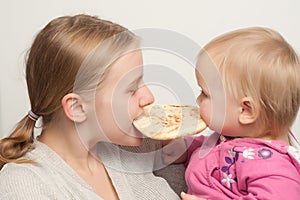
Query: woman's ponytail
x,y
13,147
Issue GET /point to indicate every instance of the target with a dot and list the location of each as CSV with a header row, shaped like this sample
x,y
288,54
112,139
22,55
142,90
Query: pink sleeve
x,y
192,143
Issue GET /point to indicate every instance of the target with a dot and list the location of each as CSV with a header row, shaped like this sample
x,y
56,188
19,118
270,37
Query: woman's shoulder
x,y
21,180
32,180
13,172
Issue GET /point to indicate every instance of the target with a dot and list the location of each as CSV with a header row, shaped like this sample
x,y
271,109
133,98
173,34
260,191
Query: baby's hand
x,y
185,196
175,151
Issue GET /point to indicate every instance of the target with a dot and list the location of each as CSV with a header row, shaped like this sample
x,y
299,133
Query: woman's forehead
x,y
127,67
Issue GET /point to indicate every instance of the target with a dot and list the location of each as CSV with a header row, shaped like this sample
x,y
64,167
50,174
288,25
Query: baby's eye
x,y
203,93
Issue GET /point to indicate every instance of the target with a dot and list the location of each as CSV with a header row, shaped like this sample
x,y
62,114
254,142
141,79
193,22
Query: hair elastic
x,y
33,116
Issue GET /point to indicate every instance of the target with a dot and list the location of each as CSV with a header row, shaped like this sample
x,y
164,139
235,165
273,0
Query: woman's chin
x,y
134,138
133,141
138,142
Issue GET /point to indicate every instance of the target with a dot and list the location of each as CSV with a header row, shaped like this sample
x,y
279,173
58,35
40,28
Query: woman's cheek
x,y
133,107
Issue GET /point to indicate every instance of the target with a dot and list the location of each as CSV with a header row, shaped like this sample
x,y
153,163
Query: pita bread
x,y
166,122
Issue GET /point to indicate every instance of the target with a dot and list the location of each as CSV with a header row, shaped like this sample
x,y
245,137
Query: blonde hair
x,y
257,62
57,59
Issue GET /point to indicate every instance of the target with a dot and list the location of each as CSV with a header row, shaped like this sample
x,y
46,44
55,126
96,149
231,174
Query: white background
x,y
199,20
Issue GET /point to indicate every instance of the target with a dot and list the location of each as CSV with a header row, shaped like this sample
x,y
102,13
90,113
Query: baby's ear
x,y
73,107
249,111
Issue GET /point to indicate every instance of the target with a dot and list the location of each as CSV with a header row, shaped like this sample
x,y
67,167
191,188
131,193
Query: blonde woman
x,y
85,84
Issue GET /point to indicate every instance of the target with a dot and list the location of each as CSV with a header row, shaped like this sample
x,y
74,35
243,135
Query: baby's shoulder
x,y
257,152
258,145
253,153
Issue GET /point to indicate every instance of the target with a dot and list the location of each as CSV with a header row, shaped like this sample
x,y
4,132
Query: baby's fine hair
x,y
257,62
70,54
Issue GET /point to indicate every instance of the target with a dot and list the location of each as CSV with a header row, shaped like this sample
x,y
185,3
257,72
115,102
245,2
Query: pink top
x,y
243,169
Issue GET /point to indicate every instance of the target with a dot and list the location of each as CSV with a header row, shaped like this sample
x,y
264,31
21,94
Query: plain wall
x,y
199,20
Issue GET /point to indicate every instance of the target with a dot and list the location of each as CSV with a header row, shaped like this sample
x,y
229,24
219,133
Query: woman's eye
x,y
133,90
135,85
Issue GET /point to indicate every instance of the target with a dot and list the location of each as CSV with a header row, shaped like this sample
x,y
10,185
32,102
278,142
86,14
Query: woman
x,y
85,83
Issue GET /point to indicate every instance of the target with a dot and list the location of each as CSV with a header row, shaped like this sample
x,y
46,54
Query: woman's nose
x,y
146,97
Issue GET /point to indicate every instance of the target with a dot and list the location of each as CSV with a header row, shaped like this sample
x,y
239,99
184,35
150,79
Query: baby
x,y
252,154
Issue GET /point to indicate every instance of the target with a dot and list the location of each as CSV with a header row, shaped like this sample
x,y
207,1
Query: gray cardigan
x,y
130,172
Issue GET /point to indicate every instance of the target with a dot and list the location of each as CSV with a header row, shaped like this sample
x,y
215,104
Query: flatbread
x,y
166,122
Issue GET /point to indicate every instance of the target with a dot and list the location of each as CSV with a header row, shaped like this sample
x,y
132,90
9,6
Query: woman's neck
x,y
65,141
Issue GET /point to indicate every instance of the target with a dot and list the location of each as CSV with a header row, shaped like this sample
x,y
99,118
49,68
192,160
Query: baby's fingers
x,y
185,196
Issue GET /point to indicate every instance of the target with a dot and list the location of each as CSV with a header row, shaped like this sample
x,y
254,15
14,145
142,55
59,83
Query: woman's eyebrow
x,y
135,80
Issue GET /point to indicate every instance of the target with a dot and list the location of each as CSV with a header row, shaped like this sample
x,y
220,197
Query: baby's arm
x,y
180,150
273,187
269,178
174,151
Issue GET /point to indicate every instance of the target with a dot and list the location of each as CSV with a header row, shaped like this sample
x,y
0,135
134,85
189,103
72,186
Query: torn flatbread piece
x,y
166,122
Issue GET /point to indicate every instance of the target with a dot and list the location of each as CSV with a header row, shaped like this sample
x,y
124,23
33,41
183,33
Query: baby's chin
x,y
231,135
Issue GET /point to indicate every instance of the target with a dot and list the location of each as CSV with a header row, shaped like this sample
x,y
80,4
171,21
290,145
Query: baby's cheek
x,y
204,114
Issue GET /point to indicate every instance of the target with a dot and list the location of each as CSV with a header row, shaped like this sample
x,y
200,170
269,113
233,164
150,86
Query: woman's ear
x,y
73,107
249,111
